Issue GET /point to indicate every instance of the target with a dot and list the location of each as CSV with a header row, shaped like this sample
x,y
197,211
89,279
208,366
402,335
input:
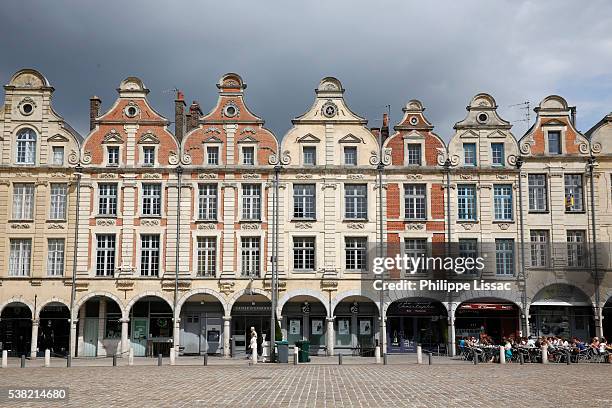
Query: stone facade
x,y
174,233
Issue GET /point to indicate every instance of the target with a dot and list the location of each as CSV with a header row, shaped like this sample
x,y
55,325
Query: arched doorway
x,y
54,329
356,326
250,309
495,318
201,326
607,320
304,318
99,327
562,310
16,329
413,321
151,326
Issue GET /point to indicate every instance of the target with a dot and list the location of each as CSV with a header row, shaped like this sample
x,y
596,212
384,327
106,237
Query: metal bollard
x,y
114,360
429,354
159,360
568,357
340,359
4,358
419,351
22,361
205,359
172,356
521,358
131,357
377,354
502,355
545,354
47,358
295,359
475,359
384,358
69,361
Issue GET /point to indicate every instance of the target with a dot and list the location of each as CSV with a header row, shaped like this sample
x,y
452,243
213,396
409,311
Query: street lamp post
x,y
591,164
274,277
71,341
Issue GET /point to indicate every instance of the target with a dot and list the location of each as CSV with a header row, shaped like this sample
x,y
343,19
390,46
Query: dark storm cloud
x,y
384,52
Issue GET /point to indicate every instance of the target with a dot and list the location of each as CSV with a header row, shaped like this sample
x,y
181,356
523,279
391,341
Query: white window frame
x,y
55,149
107,148
300,250
20,257
420,159
152,201
99,197
106,251
206,152
205,250
361,245
24,201
144,148
58,201
356,214
534,196
309,147
151,251
354,149
302,197
215,202
413,200
251,216
503,202
250,255
242,155
29,146
56,248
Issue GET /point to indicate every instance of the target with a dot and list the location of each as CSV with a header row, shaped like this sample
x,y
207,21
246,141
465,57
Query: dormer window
x,y
58,155
148,156
350,156
112,155
248,155
469,154
26,146
497,154
310,155
554,142
212,155
414,154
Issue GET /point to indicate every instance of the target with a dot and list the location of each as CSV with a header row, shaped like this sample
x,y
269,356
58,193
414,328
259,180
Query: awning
x,y
560,303
487,306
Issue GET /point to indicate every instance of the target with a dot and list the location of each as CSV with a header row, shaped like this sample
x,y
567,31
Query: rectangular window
x,y
151,199
539,250
414,154
304,201
105,255
573,193
149,255
21,254
23,201
58,155
304,254
355,251
148,153
207,199
356,201
576,251
497,154
55,257
107,199
554,142
415,201
58,201
469,154
466,202
207,256
468,248
248,156
251,256
502,202
416,248
212,155
310,155
112,158
538,192
350,156
251,201
504,257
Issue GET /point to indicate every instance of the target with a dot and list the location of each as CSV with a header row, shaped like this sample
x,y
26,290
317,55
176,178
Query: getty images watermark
x,y
412,265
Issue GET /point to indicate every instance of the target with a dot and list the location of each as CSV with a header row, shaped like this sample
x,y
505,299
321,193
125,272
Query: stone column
x,y
34,342
330,336
451,329
177,334
73,335
125,341
226,336
383,335
101,326
599,322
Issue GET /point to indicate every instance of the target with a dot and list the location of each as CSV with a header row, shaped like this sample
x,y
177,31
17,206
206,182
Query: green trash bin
x,y
304,351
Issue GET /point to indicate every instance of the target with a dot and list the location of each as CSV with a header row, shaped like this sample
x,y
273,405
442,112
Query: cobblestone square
x,y
321,385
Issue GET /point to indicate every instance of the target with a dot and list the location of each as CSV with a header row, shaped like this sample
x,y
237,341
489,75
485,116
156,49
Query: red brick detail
x,y
393,201
437,201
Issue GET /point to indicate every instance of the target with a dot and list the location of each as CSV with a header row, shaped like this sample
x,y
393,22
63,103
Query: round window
x,y
414,120
27,108
329,110
230,111
482,117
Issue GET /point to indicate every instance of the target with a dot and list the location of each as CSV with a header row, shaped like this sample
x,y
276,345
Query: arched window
x,y
26,146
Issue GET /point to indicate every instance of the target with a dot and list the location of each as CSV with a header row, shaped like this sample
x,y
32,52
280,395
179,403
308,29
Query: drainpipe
x,y
72,341
179,174
519,165
591,163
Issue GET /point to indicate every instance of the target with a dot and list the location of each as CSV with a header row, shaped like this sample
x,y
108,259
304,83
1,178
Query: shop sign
x,y
487,306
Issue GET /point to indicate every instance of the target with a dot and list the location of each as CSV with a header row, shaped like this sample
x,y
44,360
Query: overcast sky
x,y
384,52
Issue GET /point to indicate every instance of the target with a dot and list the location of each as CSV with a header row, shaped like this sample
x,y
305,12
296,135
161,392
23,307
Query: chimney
x,y
94,111
384,130
179,116
194,115
573,113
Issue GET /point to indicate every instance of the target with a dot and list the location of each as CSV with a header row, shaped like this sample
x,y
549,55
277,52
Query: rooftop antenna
x,y
173,90
526,106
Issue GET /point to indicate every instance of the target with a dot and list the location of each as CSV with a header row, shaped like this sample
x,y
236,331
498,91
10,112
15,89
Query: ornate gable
x,y
213,139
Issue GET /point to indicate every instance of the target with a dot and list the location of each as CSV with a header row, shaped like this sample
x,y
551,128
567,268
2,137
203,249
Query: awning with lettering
x,y
487,306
